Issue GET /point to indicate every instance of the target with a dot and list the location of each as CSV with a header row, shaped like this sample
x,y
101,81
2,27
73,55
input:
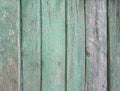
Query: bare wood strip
x,y
96,44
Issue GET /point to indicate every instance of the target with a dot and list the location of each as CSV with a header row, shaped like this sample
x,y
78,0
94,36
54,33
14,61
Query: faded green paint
x,y
72,59
31,44
76,46
114,45
53,45
9,44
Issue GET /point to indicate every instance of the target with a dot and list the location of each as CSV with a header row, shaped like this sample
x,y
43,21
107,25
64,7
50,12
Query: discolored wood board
x,y
31,45
53,45
96,45
114,44
75,45
9,44
59,45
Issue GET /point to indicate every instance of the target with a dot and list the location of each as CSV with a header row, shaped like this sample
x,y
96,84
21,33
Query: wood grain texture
x,y
114,44
9,46
96,44
31,44
53,45
76,46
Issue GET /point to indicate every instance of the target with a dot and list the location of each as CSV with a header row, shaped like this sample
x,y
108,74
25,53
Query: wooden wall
x,y
59,45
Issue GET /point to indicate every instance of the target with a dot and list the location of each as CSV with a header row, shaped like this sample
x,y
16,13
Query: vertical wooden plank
x,y
31,44
76,46
114,45
9,46
96,44
53,45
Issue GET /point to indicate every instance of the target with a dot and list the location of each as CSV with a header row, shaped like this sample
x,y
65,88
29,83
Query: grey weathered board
x,y
96,45
59,45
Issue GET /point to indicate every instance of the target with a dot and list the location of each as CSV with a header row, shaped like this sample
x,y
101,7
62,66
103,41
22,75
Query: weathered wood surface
x,y
31,44
75,45
9,44
53,45
114,44
59,45
96,45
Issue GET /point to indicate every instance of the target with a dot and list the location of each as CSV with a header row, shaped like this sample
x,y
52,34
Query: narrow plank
x,y
96,45
31,44
76,46
9,46
53,45
114,45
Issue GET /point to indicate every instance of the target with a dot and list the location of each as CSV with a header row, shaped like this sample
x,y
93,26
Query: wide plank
x,y
114,44
96,45
9,44
31,45
53,45
75,45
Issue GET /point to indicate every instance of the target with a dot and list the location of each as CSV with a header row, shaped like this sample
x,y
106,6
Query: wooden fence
x,y
59,45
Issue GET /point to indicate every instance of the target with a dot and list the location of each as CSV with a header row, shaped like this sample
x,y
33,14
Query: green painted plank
x,y
114,45
76,46
31,44
53,45
96,45
9,44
